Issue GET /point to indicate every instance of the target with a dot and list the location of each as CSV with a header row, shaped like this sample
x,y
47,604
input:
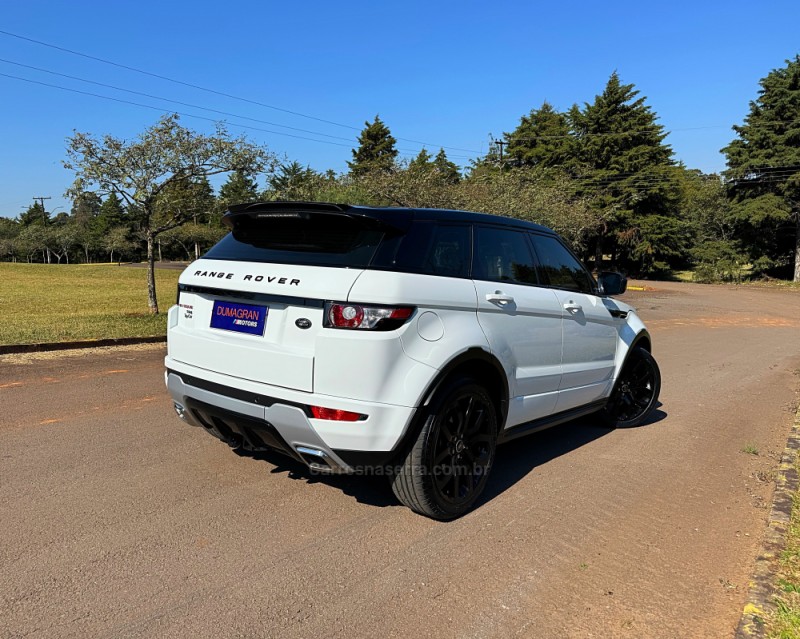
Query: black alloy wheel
x,y
635,395
448,465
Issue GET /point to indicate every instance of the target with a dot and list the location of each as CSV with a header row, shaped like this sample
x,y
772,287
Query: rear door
x,y
589,330
521,320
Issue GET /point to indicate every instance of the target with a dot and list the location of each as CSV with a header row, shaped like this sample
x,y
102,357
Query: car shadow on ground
x,y
517,459
513,462
367,488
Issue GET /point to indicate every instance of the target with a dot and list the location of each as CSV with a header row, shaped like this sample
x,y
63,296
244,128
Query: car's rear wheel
x,y
447,467
635,395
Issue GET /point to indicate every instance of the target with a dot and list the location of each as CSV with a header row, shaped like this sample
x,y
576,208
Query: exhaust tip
x,y
315,458
180,410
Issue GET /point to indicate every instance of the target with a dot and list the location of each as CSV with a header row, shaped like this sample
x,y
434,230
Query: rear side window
x,y
428,247
502,255
559,267
308,238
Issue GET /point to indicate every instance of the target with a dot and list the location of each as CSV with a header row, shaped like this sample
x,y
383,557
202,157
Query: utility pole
x,y
41,201
501,144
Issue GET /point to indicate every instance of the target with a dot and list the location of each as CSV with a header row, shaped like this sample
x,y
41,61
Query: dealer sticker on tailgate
x,y
240,318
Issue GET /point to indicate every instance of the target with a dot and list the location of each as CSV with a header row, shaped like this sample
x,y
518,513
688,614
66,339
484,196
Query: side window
x,y
559,267
502,255
427,247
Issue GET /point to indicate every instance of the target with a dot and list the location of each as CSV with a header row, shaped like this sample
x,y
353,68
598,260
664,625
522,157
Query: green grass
x,y
58,302
784,621
750,449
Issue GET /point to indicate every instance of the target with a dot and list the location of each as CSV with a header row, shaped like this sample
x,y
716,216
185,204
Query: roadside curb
x,y
88,343
762,583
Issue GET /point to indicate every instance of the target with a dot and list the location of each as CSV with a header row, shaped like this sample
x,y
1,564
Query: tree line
x,y
599,173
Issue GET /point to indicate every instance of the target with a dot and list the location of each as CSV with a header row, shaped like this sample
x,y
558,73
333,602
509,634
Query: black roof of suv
x,y
395,216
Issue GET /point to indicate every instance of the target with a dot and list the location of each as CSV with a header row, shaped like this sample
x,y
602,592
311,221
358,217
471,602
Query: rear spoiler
x,y
384,219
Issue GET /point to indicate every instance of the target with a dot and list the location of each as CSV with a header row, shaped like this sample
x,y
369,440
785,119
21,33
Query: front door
x,y
589,331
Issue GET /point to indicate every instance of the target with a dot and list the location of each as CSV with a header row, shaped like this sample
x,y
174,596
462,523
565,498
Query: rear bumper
x,y
259,417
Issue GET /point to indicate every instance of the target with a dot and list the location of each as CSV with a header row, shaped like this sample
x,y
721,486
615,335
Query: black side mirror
x,y
611,283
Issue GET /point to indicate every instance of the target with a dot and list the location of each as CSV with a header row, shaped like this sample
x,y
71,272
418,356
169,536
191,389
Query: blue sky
x,y
444,73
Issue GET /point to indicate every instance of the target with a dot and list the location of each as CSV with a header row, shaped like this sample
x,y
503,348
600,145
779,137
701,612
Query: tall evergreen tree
x,y
542,139
85,207
35,214
628,172
83,219
240,188
376,151
293,181
764,169
112,213
447,170
421,162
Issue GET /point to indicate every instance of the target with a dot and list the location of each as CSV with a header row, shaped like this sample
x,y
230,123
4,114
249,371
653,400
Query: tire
x,y
635,395
447,467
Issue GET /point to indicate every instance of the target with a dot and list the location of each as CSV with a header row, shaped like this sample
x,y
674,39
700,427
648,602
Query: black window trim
x,y
543,275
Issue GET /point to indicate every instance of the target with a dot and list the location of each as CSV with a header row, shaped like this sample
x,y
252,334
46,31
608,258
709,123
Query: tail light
x,y
366,317
336,415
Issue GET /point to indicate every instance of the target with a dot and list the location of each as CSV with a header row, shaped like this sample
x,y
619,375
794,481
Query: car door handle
x,y
573,308
499,298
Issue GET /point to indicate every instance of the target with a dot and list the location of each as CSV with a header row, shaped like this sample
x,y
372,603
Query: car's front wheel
x,y
635,395
446,469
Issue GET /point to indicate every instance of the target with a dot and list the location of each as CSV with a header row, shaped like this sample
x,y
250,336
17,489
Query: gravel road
x,y
117,520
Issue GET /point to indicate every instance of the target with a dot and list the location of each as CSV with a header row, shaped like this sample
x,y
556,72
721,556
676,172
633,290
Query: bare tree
x,y
144,171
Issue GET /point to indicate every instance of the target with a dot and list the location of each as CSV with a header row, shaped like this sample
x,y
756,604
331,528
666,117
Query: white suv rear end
x,y
397,341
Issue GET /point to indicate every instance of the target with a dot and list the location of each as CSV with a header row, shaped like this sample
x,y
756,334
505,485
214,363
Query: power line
x,y
158,97
339,124
175,81
190,115
155,108
213,91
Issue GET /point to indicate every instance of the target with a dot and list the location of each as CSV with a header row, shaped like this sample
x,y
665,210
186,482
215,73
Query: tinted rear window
x,y
427,247
336,240
314,239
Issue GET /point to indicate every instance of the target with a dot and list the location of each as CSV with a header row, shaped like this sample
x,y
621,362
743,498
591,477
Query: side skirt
x,y
548,422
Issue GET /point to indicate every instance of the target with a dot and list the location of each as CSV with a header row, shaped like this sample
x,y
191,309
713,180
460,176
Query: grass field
x,y
58,302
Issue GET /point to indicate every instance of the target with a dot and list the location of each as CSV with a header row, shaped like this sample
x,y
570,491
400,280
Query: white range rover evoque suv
x,y
406,342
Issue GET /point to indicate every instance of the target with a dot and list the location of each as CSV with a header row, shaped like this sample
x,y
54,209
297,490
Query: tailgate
x,y
254,321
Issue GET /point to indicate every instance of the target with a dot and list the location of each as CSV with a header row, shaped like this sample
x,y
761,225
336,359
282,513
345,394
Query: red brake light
x,y
402,313
336,415
366,317
346,315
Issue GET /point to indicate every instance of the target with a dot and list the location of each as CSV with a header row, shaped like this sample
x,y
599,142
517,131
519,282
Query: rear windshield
x,y
314,239
336,240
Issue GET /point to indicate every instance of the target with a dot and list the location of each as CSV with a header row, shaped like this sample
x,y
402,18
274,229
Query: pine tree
x,y
628,171
240,188
376,151
421,162
293,181
542,139
447,170
764,169
34,215
112,212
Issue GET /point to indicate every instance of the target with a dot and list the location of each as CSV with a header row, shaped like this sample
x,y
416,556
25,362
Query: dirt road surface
x,y
117,520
